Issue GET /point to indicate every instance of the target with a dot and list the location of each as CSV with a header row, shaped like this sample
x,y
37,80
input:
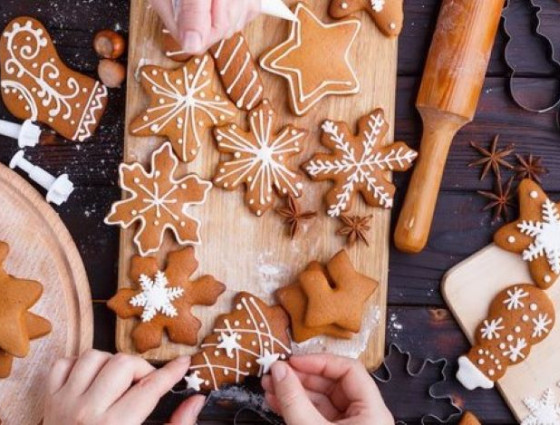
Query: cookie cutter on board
x,y
396,356
551,55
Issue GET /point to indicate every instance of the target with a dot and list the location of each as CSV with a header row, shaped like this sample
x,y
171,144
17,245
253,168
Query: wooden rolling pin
x,y
448,98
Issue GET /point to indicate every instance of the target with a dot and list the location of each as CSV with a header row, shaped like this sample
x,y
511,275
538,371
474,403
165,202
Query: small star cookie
x,y
158,202
535,235
388,15
359,164
259,159
315,59
182,105
163,299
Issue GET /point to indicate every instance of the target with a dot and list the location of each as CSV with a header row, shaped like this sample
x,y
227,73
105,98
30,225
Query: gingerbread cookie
x,y
245,342
469,419
163,299
36,85
337,297
359,164
535,235
238,72
182,105
37,327
294,301
520,317
158,202
315,59
259,159
172,49
388,15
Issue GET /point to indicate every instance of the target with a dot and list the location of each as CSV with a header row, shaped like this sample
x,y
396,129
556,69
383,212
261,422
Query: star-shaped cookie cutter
x,y
395,356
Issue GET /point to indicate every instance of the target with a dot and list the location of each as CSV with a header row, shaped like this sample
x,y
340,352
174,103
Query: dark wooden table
x,y
418,319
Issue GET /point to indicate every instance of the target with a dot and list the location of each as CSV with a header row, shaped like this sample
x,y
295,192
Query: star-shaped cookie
x,y
182,105
315,59
16,297
338,297
158,202
388,15
535,235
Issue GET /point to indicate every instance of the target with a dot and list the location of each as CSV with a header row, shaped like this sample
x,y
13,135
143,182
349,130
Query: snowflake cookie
x,y
315,59
519,317
359,164
259,159
182,105
163,299
388,15
158,201
245,342
542,411
535,235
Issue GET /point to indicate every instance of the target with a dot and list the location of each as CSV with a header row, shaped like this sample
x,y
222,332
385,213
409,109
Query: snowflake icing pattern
x,y
358,164
259,159
543,411
515,352
515,295
156,297
542,325
182,105
491,329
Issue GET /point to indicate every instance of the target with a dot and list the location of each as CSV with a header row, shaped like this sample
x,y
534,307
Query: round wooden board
x,y
41,249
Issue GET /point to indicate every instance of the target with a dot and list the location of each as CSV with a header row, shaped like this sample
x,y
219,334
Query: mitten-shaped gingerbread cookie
x,y
388,15
36,85
520,317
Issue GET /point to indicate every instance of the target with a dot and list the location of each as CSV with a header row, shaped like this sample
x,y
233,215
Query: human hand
x,y
101,388
325,389
198,24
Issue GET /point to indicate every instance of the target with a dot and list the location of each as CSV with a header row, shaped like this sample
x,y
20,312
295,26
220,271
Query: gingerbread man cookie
x,y
520,317
36,85
158,202
388,15
535,235
315,59
359,164
245,342
182,105
259,159
163,299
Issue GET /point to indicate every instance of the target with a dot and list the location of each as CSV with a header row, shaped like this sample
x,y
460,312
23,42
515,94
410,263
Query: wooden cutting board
x,y
41,249
469,288
254,254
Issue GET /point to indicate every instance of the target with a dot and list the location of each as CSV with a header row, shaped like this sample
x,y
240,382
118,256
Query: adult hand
x,y
198,24
325,389
101,388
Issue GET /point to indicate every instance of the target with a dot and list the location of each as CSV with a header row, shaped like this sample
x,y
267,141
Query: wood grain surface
x,y
41,249
255,254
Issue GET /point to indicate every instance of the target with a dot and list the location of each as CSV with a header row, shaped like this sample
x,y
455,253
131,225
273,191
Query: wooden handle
x,y
415,220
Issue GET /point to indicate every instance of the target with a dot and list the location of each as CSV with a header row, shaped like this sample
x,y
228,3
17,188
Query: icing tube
x,y
278,9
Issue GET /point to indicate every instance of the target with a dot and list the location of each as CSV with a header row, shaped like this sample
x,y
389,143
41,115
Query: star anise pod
x,y
355,228
530,167
492,158
500,200
293,216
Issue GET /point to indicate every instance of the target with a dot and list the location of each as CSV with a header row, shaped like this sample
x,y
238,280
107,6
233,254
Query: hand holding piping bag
x,y
198,24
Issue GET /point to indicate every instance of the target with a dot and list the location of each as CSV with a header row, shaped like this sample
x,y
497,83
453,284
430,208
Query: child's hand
x,y
199,24
101,388
325,389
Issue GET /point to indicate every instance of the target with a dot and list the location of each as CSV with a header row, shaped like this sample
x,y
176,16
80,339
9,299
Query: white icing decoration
x,y
295,76
515,295
534,194
490,329
470,376
359,169
543,411
515,352
377,5
193,381
156,297
511,239
546,236
267,360
229,342
541,327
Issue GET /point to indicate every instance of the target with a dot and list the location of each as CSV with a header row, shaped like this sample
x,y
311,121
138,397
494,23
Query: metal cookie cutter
x,y
423,379
545,40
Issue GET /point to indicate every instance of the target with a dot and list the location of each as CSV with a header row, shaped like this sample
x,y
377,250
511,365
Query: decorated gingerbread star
x,y
16,297
259,159
359,164
163,299
388,15
535,235
182,105
158,201
315,59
